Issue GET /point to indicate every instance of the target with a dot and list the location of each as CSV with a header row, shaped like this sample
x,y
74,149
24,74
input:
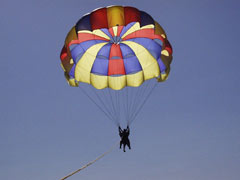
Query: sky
x,y
189,129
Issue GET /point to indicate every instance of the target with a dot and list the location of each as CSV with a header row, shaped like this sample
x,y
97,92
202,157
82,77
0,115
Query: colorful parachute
x,y
116,49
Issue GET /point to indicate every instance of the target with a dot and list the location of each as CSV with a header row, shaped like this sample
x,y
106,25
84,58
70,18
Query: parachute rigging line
x,y
115,111
141,105
142,95
106,113
102,102
119,105
90,163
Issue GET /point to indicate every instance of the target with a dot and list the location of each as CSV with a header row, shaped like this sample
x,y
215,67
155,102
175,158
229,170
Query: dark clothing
x,y
124,137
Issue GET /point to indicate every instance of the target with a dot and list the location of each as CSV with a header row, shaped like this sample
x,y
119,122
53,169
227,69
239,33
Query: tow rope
x,y
88,164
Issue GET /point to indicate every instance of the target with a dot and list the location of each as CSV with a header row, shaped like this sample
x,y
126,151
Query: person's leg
x,y
128,144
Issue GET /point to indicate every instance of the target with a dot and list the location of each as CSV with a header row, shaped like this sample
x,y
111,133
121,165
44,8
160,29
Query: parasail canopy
x,y
116,47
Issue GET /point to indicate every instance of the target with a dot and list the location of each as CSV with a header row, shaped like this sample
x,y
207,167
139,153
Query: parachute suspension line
x,y
125,103
105,106
121,96
91,162
127,114
109,117
111,108
117,104
114,109
142,104
109,102
137,99
141,94
132,99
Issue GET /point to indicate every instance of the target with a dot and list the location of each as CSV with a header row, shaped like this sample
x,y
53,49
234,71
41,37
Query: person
x,y
124,137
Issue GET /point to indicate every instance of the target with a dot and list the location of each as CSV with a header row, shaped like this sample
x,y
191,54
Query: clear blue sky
x,y
189,129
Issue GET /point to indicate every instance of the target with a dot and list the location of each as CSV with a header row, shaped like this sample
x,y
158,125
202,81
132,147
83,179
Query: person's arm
x,y
120,131
128,130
